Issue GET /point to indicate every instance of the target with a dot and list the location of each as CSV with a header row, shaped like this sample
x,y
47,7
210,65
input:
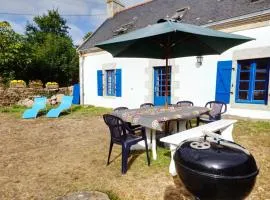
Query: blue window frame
x,y
252,81
110,82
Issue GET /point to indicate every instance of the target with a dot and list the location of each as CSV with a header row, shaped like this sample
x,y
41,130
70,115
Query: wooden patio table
x,y
153,119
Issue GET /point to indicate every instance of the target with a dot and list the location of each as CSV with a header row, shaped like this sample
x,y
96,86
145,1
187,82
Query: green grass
x,y
76,110
90,110
12,109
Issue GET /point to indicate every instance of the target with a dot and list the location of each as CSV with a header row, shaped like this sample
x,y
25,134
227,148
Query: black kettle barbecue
x,y
213,168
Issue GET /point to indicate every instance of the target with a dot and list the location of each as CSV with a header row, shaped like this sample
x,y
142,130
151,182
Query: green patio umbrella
x,y
171,40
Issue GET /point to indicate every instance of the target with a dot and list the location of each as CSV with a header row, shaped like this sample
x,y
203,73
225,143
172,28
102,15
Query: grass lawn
x,y
47,158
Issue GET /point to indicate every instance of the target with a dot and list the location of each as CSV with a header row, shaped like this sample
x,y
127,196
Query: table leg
x,y
172,169
148,136
154,145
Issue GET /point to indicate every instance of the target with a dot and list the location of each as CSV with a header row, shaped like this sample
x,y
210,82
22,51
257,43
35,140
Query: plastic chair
x,y
39,104
66,103
185,104
120,108
122,135
217,109
133,127
146,105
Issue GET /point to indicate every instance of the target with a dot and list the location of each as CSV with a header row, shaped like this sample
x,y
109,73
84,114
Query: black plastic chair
x,y
185,104
146,105
133,127
122,135
217,109
120,108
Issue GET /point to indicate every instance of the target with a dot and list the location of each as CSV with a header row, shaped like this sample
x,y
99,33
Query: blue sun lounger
x,y
39,104
66,103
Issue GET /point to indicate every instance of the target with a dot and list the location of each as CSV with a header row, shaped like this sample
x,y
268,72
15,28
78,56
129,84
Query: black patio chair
x,y
133,127
122,135
185,104
120,108
146,105
217,109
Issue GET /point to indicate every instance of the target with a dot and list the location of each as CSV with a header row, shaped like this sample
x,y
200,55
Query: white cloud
x,y
79,25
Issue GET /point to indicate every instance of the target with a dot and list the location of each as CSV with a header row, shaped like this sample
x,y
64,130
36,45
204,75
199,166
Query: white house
x,y
239,77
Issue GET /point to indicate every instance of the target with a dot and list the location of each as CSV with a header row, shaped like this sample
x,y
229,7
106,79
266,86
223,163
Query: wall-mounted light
x,y
199,60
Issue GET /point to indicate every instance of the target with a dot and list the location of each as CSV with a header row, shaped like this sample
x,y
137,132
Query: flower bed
x,y
37,84
17,84
52,85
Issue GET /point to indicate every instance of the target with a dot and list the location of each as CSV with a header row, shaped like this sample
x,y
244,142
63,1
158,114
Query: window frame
x,y
252,82
110,86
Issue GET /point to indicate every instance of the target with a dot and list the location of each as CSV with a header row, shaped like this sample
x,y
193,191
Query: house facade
x,y
239,76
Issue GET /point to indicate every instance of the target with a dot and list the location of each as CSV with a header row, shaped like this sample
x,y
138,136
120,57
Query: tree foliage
x,y
53,53
14,54
88,34
46,52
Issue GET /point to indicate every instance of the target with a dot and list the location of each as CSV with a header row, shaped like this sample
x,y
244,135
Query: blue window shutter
x,y
223,81
118,88
99,82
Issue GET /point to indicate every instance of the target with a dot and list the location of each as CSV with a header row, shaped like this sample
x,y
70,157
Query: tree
x,y
87,35
53,52
14,54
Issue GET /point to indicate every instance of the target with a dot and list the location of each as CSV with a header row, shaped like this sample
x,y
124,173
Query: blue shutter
x,y
118,88
99,82
223,81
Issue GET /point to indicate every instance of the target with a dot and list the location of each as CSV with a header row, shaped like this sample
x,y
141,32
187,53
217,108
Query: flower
x,y
51,83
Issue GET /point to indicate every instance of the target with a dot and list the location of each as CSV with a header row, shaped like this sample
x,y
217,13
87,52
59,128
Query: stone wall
x,y
10,96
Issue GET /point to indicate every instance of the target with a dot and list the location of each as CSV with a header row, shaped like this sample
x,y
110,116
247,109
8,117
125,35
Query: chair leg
x,y
110,151
198,121
190,125
147,153
125,151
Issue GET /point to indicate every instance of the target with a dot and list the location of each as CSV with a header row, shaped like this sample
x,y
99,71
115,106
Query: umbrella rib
x,y
196,38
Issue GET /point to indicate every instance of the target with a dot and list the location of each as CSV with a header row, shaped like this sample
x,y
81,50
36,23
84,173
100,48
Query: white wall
x,y
197,84
133,81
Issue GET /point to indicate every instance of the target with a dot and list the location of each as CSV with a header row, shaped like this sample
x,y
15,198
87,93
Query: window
x,y
110,82
252,81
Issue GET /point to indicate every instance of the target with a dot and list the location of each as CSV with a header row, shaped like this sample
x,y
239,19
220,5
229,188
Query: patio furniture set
x,y
148,120
169,39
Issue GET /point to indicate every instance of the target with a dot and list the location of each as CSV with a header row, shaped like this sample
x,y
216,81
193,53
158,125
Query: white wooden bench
x,y
225,126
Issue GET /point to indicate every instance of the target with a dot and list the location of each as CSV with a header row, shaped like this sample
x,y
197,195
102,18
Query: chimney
x,y
114,6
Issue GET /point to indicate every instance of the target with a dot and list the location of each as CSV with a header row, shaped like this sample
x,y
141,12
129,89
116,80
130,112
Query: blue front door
x,y
159,86
223,84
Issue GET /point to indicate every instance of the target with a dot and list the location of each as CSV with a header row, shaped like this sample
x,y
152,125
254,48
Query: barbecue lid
x,y
215,156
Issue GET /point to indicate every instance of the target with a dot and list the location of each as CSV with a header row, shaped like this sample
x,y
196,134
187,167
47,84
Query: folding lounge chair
x,y
39,104
66,103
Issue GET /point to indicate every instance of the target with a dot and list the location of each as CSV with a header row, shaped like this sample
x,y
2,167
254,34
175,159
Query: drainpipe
x,y
81,71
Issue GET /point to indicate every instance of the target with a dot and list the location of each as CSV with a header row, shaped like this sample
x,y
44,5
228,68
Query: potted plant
x,y
17,84
36,84
52,85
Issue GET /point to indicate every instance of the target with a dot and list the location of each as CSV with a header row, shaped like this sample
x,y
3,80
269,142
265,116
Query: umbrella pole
x,y
166,83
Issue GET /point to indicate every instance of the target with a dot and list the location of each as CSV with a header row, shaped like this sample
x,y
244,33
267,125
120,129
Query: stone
x,y
53,101
59,97
93,195
26,102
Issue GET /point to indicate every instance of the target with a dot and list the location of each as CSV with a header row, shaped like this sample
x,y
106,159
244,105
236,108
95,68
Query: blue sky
x,y
79,25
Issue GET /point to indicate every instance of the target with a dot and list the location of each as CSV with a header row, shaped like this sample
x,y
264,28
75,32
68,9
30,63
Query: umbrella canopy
x,y
171,40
